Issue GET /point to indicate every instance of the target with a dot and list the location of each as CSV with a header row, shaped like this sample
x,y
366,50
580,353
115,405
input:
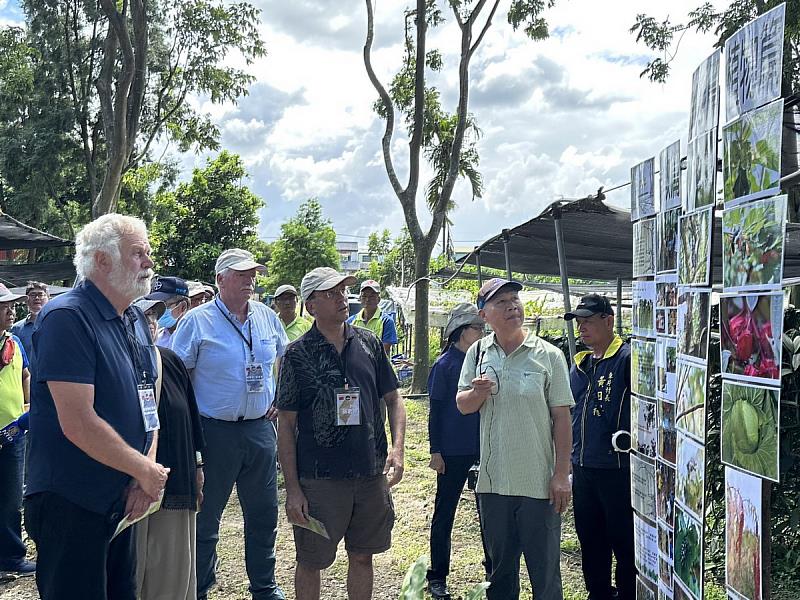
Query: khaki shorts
x,y
358,510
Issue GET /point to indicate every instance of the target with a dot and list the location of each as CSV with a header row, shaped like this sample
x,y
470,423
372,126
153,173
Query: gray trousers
x,y
165,556
514,526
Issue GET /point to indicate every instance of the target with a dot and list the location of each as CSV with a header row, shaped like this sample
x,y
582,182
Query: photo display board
x,y
672,304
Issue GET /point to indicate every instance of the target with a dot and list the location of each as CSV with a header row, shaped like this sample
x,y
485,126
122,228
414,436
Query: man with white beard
x,y
94,419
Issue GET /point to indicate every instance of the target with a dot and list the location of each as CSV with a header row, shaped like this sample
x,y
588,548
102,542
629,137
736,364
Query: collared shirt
x,y
517,450
310,373
164,338
12,399
296,328
381,325
23,329
213,345
80,338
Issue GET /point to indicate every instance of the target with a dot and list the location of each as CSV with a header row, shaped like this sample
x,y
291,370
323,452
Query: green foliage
x,y
209,214
307,241
663,37
393,261
414,583
527,14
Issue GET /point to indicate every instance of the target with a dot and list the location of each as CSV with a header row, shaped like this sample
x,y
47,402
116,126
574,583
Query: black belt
x,y
238,419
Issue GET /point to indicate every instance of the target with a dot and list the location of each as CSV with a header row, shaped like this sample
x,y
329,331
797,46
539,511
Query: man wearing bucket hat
x,y
370,316
600,382
520,385
454,439
336,460
286,302
229,346
14,399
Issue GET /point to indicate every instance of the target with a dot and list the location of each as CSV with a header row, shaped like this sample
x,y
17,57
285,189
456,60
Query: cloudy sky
x,y
559,118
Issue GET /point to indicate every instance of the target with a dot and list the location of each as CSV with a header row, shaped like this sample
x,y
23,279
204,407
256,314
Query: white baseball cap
x,y
321,279
370,283
282,289
238,260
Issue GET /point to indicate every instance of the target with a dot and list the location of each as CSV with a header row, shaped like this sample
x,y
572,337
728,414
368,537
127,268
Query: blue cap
x,y
164,288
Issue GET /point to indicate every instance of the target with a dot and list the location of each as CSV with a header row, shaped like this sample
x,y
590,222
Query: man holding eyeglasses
x,y
600,381
286,302
229,346
337,463
520,385
36,296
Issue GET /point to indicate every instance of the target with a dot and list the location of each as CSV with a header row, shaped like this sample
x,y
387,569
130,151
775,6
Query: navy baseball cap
x,y
164,288
591,304
492,287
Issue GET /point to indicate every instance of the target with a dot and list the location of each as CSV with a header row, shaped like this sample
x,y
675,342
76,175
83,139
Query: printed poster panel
x,y
694,247
688,556
694,313
754,63
665,495
669,165
644,590
645,540
643,487
667,434
667,240
666,367
704,111
690,417
690,476
751,328
750,418
743,531
646,428
701,175
751,154
752,245
643,368
643,199
644,249
667,304
643,317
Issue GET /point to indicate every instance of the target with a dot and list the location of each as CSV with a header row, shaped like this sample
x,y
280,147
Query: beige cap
x,y
463,314
371,284
146,304
323,278
195,288
238,260
6,295
282,289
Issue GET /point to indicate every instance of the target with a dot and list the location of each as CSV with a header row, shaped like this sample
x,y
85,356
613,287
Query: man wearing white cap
x,y
286,303
229,346
370,316
336,460
197,294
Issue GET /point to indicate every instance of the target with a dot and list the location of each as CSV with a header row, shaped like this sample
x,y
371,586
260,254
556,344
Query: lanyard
x,y
129,325
247,340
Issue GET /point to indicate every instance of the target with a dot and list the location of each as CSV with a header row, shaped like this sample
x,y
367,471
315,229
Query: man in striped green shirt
x,y
286,302
520,385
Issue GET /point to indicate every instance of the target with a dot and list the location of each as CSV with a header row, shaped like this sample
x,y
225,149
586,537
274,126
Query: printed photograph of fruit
x,y
750,342
694,254
688,553
750,418
751,154
690,393
752,244
743,533
690,476
693,323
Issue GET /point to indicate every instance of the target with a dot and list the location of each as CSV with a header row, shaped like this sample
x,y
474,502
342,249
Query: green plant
x,y
414,583
688,551
750,428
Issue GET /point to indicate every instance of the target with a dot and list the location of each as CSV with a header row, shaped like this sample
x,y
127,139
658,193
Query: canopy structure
x,y
15,235
598,244
18,236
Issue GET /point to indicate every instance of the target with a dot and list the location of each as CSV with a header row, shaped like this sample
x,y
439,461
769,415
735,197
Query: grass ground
x,y
413,499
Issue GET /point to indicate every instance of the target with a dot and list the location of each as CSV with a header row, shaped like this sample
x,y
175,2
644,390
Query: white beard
x,y
130,285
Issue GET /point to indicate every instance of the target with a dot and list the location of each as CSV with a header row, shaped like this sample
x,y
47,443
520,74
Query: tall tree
x,y
447,139
209,214
307,241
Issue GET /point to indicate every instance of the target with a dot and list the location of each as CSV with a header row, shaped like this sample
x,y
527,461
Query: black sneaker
x,y
20,568
438,590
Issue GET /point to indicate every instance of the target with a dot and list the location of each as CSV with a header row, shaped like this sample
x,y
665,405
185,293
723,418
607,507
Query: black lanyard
x,y
248,341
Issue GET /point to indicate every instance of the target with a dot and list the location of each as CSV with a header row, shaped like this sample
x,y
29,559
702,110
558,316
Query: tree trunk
x,y
421,321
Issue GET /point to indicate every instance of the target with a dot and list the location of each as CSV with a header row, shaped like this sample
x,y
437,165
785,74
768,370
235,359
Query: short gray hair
x,y
104,234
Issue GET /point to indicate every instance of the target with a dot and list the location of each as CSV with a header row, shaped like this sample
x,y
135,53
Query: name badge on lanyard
x,y
254,375
147,402
348,406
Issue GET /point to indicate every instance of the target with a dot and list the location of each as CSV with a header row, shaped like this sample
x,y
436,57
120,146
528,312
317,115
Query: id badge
x,y
147,402
254,375
348,406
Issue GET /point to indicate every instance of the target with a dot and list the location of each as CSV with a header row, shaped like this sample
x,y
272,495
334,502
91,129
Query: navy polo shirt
x,y
80,338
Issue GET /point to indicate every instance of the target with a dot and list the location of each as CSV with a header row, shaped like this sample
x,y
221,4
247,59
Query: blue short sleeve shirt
x,y
80,338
